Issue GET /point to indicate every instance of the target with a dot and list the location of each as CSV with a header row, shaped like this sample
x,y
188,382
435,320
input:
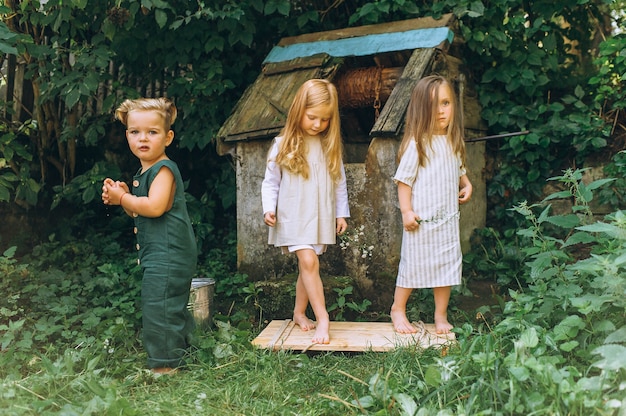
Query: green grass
x,y
501,370
554,345
235,379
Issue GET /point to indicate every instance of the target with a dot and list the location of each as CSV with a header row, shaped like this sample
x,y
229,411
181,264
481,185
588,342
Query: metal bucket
x,y
201,301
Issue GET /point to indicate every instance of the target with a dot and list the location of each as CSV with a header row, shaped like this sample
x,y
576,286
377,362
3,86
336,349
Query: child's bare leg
x,y
299,310
442,297
398,311
308,263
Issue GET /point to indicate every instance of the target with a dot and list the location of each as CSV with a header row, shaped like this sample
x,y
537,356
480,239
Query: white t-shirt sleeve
x,y
271,181
407,168
342,208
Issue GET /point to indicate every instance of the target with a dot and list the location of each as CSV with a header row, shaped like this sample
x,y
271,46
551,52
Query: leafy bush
x,y
72,291
560,343
70,322
70,345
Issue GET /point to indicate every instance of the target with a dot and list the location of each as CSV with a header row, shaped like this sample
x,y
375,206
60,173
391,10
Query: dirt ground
x,y
483,292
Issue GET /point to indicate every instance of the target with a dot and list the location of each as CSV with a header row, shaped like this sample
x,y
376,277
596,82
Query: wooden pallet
x,y
349,336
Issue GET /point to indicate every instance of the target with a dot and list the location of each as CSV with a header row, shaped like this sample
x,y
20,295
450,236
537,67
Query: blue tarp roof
x,y
363,45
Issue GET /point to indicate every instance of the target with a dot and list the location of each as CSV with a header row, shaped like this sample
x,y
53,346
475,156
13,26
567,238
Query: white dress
x,y
431,256
306,209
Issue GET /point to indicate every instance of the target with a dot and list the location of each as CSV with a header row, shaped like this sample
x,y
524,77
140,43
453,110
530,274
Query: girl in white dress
x,y
304,194
432,182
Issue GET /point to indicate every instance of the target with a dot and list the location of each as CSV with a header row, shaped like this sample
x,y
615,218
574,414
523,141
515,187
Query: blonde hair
x,y
163,106
292,152
421,119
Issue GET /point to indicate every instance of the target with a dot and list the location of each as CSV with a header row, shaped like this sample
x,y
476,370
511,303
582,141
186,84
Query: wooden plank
x,y
392,115
400,26
296,64
349,336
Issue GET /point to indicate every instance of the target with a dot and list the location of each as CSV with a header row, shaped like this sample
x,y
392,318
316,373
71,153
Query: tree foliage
x,y
551,67
532,61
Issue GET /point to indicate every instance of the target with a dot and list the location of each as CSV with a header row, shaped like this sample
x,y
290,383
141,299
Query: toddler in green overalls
x,y
165,239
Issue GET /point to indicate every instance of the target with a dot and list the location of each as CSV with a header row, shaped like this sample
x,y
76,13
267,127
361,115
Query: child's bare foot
x,y
161,371
401,324
303,322
442,326
322,333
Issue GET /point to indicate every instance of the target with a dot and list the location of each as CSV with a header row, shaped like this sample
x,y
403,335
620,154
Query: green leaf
x,y
80,4
568,328
618,336
161,4
534,59
579,91
549,42
569,345
558,195
89,194
257,4
161,18
564,221
9,252
477,9
7,49
590,303
432,377
609,229
579,237
613,357
407,403
544,214
284,7
72,97
270,7
600,182
529,338
109,29
364,402
520,373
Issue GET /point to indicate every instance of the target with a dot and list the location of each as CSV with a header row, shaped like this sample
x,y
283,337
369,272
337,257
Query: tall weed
x,y
559,346
70,345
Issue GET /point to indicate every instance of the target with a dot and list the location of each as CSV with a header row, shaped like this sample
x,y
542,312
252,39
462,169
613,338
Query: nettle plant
x,y
559,346
570,316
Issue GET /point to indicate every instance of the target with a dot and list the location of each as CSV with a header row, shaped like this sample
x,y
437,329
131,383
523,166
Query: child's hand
x,y
342,226
410,220
465,193
108,182
112,192
123,185
270,219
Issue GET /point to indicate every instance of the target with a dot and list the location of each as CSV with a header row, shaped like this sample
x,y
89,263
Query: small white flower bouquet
x,y
354,239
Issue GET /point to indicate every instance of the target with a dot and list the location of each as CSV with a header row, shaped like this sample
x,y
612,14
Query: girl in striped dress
x,y
432,182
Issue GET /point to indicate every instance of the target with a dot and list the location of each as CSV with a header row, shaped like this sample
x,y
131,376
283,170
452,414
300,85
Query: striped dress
x,y
431,256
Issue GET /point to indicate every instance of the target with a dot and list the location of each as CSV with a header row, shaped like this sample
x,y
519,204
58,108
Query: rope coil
x,y
361,88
